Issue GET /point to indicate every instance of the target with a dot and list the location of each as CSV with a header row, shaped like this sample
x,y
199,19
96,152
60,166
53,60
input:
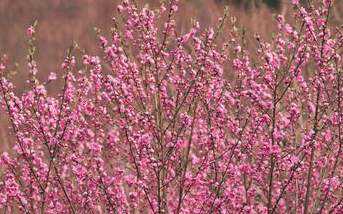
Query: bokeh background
x,y
60,21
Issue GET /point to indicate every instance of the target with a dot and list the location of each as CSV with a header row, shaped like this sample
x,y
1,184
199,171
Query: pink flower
x,y
40,90
52,76
5,159
281,18
296,2
327,3
80,172
175,8
103,41
120,8
94,147
144,140
320,22
30,31
130,180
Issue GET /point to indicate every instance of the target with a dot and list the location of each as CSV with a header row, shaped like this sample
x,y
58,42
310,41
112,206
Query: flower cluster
x,y
152,124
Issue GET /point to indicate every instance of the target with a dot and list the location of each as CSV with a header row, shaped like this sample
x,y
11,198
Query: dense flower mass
x,y
153,124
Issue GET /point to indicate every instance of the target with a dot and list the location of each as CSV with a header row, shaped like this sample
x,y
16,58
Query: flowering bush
x,y
153,125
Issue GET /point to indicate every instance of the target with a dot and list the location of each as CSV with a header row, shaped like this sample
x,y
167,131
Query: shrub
x,y
153,126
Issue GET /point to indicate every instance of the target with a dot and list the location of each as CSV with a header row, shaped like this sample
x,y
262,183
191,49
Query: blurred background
x,y
61,21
